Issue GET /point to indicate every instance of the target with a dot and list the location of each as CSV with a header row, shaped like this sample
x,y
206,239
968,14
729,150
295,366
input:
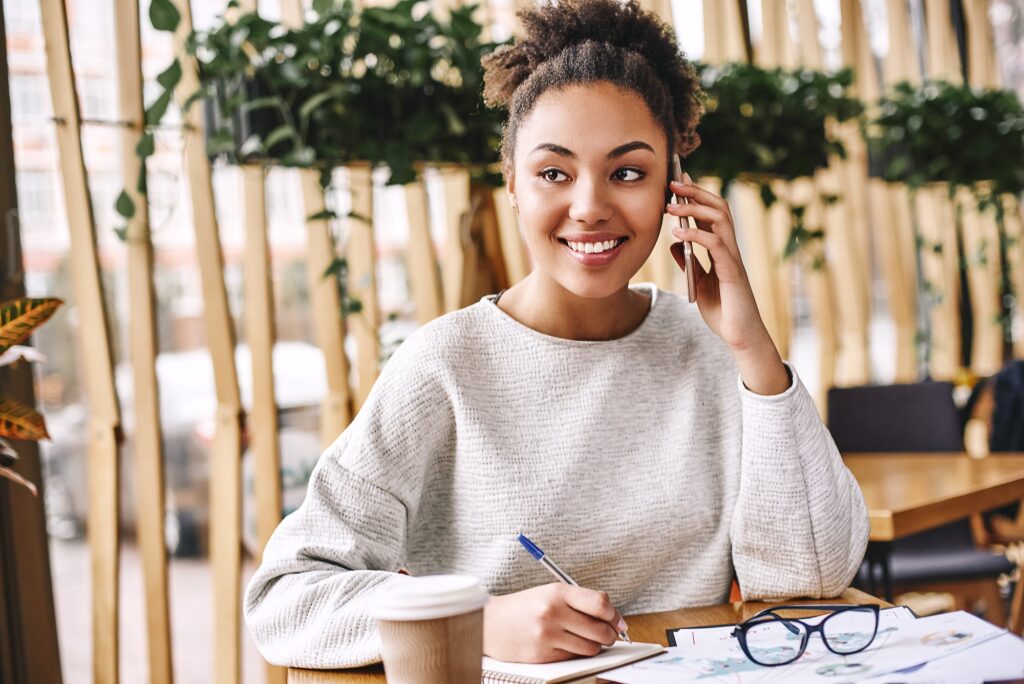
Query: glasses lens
x,y
774,642
851,630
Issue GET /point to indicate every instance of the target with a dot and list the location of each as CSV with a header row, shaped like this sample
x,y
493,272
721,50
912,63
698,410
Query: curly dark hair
x,y
567,42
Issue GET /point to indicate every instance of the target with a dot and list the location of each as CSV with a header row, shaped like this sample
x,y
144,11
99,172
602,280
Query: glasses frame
x,y
740,632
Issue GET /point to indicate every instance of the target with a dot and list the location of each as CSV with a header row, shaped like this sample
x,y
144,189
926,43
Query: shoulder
x,y
680,325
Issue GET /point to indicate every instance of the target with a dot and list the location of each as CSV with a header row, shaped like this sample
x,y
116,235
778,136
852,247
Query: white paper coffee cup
x,y
431,629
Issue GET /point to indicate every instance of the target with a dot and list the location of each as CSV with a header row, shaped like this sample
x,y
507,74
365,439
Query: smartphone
x,y
691,284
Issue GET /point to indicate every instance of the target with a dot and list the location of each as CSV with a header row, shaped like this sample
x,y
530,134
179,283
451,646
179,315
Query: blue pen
x,y
556,571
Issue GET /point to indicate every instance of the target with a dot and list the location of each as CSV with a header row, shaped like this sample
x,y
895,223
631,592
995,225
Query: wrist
x,y
762,370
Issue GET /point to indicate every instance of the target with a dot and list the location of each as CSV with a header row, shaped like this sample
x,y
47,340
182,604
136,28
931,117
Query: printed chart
x,y
713,656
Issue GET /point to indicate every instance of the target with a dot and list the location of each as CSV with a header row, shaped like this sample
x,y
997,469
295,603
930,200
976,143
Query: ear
x,y
510,186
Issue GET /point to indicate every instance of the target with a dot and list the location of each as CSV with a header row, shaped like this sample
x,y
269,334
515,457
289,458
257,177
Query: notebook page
x,y
620,653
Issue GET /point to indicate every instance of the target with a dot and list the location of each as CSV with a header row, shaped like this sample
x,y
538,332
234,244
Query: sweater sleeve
x,y
308,604
800,526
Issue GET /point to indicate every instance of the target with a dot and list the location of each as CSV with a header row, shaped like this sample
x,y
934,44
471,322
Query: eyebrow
x,y
617,152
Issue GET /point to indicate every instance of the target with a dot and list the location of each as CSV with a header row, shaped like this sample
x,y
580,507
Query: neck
x,y
545,306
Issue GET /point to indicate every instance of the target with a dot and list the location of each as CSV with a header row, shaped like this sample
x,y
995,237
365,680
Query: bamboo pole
x,y
982,70
259,334
226,446
940,256
1014,213
292,13
328,321
517,258
890,211
420,256
149,456
981,252
838,295
104,426
456,206
362,281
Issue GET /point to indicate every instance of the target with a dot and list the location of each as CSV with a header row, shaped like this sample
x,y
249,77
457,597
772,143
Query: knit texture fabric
x,y
642,465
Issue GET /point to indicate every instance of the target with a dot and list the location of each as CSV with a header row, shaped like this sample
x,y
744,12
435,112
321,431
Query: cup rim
x,y
429,598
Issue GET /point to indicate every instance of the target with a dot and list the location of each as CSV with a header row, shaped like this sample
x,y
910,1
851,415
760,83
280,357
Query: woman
x,y
654,448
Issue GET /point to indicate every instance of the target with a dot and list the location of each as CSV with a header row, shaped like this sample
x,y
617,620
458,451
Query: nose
x,y
590,202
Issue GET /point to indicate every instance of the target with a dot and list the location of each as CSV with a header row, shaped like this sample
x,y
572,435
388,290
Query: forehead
x,y
589,117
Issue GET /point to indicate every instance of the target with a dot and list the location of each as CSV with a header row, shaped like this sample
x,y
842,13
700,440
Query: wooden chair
x,y
920,418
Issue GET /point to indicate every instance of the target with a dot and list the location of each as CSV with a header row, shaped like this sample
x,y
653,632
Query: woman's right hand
x,y
548,623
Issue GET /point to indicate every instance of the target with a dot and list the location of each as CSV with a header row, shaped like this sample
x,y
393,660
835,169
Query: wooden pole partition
x,y
148,443
328,321
361,252
420,257
941,273
517,258
226,446
456,206
259,335
981,252
104,425
1014,219
843,328
891,219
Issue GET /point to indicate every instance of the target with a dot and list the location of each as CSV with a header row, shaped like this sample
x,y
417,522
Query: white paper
x,y
712,656
997,659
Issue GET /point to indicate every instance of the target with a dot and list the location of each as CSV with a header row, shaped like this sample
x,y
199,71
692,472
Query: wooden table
x,y
909,493
650,628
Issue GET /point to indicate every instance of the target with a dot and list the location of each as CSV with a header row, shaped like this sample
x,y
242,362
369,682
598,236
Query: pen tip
x,y
531,547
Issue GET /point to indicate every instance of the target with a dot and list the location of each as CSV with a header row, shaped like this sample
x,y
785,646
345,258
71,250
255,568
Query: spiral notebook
x,y
617,655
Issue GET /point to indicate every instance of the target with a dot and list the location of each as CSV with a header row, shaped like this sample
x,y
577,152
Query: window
x,y
29,101
35,199
97,98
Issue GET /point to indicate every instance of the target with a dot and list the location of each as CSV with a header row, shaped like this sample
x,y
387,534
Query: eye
x,y
628,174
553,175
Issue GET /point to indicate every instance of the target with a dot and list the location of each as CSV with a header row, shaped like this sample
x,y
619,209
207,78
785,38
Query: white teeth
x,y
593,247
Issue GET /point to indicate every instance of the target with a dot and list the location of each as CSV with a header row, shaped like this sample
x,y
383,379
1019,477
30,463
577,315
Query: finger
x,y
576,645
698,194
707,218
589,628
725,264
595,604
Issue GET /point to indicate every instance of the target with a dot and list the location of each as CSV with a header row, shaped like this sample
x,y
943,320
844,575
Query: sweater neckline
x,y
488,302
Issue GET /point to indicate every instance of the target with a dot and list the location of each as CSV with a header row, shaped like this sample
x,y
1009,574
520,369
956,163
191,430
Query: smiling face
x,y
589,176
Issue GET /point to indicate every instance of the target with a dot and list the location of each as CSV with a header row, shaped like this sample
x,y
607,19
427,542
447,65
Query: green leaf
x,y
19,317
122,233
146,146
155,112
325,215
310,105
141,185
337,267
259,103
124,205
164,15
278,134
170,76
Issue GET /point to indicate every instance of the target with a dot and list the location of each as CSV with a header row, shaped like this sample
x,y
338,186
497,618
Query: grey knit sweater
x,y
642,465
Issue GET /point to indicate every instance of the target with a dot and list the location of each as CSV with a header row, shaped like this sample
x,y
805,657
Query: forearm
x,y
800,524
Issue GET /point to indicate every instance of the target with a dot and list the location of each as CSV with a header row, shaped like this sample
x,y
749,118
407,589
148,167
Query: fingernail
x,y
686,178
621,625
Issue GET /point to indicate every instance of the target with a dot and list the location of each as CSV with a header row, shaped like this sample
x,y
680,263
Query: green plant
x,y
385,85
762,125
946,133
18,318
963,137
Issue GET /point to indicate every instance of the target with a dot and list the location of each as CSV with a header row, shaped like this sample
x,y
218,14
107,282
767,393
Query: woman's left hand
x,y
724,296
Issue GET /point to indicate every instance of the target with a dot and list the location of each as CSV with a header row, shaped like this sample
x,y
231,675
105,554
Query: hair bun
x,y
552,26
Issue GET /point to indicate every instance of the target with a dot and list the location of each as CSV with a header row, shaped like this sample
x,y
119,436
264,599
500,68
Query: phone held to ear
x,y
691,285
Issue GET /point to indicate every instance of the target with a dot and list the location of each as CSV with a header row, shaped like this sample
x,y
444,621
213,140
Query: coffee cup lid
x,y
426,598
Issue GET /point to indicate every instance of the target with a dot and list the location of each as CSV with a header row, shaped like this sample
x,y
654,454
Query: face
x,y
589,178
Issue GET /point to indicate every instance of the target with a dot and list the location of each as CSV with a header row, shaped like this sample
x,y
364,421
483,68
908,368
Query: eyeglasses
x,y
776,637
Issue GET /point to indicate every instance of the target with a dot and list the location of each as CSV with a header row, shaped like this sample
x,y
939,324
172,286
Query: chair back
x,y
916,417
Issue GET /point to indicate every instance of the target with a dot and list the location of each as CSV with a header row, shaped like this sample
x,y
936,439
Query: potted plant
x,y
762,125
18,318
